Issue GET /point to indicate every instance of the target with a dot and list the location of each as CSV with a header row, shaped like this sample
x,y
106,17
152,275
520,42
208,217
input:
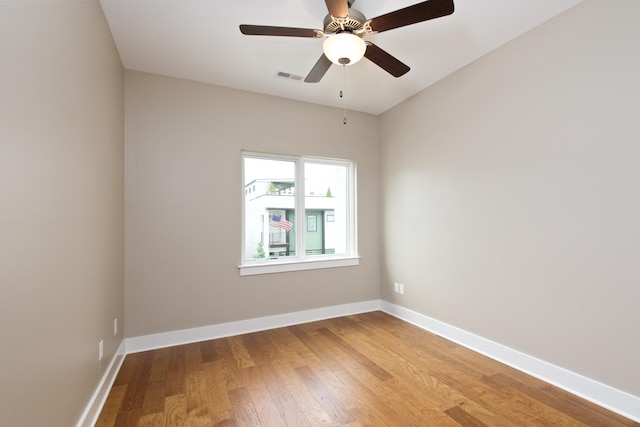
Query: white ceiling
x,y
200,40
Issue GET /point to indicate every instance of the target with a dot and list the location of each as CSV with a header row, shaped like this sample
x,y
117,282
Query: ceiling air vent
x,y
288,76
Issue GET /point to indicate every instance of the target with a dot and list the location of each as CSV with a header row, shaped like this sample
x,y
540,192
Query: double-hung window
x,y
298,213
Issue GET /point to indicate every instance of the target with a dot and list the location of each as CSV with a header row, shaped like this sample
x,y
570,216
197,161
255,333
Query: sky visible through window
x,y
319,177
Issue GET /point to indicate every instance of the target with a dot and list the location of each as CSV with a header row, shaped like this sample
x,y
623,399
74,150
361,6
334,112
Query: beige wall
x,y
183,203
61,208
511,195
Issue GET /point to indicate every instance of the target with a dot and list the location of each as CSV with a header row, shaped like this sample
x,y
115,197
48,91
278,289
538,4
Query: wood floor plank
x,y
432,406
438,391
286,404
369,369
112,406
237,377
198,417
464,418
356,362
414,343
327,400
223,349
580,409
196,392
480,363
153,397
244,411
176,371
359,357
322,354
440,380
319,418
416,373
219,406
369,405
240,352
208,351
292,382
137,385
175,410
289,347
540,410
152,420
159,365
192,357
414,412
561,401
266,407
127,418
127,370
261,348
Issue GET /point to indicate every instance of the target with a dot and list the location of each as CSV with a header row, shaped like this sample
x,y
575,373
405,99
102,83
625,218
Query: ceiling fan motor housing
x,y
354,22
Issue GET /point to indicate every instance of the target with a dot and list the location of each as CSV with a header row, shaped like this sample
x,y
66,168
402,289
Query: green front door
x,y
314,229
314,226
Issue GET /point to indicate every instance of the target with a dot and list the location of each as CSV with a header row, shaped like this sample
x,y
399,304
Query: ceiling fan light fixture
x,y
344,48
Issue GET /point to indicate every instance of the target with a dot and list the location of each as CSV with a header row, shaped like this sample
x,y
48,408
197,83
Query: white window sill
x,y
297,265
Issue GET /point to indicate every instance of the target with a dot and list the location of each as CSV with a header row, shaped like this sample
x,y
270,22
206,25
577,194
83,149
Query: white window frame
x,y
302,261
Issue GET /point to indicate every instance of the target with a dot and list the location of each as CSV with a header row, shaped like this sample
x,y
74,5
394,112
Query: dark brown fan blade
x,y
338,7
318,70
420,12
265,30
385,61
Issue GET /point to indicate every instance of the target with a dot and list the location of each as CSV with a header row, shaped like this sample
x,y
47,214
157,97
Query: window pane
x,y
327,208
269,208
297,209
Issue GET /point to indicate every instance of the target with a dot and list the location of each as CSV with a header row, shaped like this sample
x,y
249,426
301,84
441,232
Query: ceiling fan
x,y
345,29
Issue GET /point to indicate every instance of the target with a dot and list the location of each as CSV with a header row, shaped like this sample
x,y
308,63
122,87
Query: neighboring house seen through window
x,y
299,213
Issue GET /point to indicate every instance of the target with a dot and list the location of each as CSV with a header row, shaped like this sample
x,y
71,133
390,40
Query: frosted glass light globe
x,y
344,48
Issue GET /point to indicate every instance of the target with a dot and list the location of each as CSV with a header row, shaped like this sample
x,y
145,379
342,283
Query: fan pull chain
x,y
344,102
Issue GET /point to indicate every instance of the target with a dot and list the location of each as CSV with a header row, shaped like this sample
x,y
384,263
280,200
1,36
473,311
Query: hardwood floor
x,y
364,370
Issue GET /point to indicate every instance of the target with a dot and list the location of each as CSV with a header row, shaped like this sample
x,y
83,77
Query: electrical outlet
x,y
396,287
100,350
115,326
400,288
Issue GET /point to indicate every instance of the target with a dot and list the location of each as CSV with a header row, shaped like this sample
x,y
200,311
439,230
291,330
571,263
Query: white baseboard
x,y
94,407
603,395
186,336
